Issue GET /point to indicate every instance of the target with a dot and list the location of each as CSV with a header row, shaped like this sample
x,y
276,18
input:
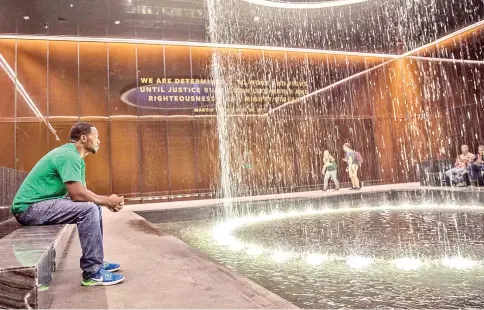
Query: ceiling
x,y
147,19
385,26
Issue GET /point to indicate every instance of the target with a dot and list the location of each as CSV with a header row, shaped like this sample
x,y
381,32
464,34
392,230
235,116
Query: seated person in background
x,y
330,170
476,167
461,165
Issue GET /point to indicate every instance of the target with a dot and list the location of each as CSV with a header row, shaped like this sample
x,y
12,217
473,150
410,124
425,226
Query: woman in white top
x,y
330,170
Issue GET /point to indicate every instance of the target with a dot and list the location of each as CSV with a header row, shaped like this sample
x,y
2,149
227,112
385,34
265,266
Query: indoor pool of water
x,y
390,255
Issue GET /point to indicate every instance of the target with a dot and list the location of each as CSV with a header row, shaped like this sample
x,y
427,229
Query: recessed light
x,y
256,18
26,17
117,22
71,5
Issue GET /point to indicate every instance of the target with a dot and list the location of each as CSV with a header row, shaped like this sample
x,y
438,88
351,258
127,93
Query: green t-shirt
x,y
46,180
331,167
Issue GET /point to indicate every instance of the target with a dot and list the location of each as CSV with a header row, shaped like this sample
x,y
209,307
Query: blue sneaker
x,y
103,277
111,267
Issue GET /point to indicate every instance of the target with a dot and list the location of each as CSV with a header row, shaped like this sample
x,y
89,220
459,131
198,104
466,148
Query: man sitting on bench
x,y
461,167
42,200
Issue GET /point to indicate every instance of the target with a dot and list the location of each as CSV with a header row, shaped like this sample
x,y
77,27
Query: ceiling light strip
x,y
195,44
450,60
20,88
317,5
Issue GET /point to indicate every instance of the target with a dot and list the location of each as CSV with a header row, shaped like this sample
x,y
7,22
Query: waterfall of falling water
x,y
222,76
288,143
223,133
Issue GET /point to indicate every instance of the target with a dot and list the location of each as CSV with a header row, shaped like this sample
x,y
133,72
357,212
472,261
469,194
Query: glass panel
x,y
63,79
181,157
151,68
154,157
122,77
32,74
178,70
93,80
125,157
31,144
98,166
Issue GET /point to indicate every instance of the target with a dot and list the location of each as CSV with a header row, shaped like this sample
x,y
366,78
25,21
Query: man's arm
x,y
78,192
478,158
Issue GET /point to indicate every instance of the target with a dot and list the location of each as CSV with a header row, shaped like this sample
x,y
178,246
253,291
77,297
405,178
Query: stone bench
x,y
28,256
432,172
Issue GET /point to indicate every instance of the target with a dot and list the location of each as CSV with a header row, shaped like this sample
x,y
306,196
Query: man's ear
x,y
83,139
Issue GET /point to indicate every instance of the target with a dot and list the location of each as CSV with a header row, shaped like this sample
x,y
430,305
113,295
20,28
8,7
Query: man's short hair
x,y
347,145
78,130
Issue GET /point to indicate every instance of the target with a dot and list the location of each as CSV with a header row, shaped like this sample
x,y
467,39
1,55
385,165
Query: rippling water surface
x,y
433,237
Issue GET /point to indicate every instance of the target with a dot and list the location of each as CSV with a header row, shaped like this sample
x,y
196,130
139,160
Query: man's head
x,y
481,149
464,148
346,147
86,136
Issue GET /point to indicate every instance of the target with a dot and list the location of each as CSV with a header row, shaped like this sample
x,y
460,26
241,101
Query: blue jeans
x,y
87,216
456,175
475,171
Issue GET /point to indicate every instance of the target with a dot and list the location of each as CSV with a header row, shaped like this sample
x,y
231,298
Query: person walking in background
x,y
462,163
354,161
476,167
330,170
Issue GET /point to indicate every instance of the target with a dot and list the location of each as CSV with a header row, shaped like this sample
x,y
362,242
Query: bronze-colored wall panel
x,y
63,79
178,66
181,156
7,144
151,65
177,62
395,116
386,150
154,156
319,77
206,145
31,144
62,129
201,61
8,50
7,95
125,157
98,166
383,118
93,80
122,76
32,73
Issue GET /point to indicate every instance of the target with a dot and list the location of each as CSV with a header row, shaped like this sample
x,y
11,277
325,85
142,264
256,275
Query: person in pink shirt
x,y
461,166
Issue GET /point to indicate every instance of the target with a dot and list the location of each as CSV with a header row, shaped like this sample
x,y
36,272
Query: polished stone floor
x,y
163,272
